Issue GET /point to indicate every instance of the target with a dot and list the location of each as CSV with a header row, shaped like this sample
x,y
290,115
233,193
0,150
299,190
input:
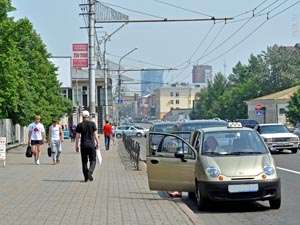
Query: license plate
x,y
238,188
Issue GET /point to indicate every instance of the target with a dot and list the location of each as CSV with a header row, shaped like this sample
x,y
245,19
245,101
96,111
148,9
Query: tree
x,y
28,80
293,113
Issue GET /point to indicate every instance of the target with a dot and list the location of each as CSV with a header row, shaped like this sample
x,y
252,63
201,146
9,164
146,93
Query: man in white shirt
x,y
36,137
55,140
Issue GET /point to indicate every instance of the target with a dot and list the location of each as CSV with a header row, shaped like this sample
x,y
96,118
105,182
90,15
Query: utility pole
x,y
92,63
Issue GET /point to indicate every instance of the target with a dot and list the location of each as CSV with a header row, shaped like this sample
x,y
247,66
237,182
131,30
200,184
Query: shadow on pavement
x,y
227,207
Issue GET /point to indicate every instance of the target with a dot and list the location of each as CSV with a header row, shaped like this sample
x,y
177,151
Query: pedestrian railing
x,y
133,148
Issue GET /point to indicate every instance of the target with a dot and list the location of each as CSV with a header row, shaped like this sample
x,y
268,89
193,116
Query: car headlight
x,y
154,147
269,170
268,139
294,139
213,171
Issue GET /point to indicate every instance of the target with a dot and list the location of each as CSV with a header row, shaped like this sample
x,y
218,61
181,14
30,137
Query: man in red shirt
x,y
107,131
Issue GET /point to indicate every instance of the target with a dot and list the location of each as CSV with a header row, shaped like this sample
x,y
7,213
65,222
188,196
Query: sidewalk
x,y
56,195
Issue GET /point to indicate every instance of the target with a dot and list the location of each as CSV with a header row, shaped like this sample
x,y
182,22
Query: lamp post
x,y
107,38
119,81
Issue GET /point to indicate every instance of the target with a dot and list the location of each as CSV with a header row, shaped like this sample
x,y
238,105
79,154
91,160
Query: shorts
x,y
36,142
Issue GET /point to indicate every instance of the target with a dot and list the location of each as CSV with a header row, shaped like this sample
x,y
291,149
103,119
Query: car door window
x,y
170,145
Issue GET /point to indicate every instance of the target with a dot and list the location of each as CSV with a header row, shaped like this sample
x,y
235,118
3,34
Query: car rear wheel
x,y
201,201
118,135
294,150
275,203
139,135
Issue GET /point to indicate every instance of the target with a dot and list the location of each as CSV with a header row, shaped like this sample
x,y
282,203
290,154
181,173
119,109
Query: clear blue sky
x,y
58,23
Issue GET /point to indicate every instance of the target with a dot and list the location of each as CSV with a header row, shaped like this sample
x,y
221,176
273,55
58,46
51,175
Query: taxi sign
x,y
234,125
3,149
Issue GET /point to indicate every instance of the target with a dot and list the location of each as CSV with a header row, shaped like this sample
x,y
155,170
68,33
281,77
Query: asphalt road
x,y
259,213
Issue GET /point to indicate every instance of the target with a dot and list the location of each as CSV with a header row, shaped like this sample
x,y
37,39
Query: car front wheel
x,y
201,201
275,203
118,135
294,150
139,135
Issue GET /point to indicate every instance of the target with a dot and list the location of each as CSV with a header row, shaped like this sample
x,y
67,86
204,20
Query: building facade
x,y
151,80
202,74
176,96
271,108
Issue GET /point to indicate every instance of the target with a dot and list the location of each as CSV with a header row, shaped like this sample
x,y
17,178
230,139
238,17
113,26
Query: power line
x,y
133,10
139,61
252,32
252,10
268,6
182,8
198,47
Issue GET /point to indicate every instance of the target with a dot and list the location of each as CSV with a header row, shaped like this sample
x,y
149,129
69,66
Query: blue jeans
x,y
107,142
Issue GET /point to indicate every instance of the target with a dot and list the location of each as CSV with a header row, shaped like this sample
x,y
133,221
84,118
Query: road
x,y
288,167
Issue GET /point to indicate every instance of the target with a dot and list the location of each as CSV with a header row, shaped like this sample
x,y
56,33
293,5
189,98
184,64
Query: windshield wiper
x,y
245,153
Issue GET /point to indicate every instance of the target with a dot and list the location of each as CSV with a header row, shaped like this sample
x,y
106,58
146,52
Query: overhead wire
x,y
197,48
251,10
182,8
250,34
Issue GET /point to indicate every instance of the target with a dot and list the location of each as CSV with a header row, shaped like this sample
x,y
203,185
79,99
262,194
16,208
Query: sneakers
x,y
37,162
54,162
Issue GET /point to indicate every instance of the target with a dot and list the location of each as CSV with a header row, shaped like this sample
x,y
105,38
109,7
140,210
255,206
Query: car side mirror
x,y
180,155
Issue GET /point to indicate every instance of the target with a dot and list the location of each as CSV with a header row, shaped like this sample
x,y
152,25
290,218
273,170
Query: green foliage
x,y
28,80
293,113
274,70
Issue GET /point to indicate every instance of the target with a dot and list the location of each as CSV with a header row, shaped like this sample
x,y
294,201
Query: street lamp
x,y
107,38
119,81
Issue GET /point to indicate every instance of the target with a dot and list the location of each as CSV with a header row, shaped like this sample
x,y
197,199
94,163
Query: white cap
x,y
85,113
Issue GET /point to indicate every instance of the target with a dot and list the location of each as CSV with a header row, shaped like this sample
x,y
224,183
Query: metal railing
x,y
133,148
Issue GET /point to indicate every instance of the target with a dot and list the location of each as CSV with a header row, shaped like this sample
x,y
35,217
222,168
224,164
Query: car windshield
x,y
271,129
240,142
192,126
165,128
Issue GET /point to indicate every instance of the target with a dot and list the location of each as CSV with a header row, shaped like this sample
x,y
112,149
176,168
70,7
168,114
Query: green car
x,y
219,164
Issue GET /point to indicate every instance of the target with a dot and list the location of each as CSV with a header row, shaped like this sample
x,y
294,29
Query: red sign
x,y
258,106
80,56
80,47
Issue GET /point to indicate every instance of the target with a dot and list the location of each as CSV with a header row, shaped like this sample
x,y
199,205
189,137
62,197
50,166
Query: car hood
x,y
278,135
240,166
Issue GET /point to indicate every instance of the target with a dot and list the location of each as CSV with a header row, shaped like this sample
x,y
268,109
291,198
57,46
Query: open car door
x,y
170,163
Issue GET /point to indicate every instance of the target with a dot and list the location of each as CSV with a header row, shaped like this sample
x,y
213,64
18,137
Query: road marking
x,y
287,170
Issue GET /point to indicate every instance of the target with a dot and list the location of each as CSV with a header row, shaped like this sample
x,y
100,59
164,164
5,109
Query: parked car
x,y
248,123
278,137
222,164
130,131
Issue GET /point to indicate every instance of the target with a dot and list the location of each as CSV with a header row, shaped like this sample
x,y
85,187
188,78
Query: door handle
x,y
154,161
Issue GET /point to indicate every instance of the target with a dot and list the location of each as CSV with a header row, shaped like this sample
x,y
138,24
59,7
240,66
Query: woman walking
x,y
36,137
55,141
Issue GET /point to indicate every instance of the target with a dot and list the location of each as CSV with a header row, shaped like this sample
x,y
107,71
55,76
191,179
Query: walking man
x,y
107,131
87,131
36,137
55,140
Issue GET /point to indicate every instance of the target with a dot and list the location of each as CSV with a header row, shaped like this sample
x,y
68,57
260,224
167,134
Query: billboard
x,y
80,57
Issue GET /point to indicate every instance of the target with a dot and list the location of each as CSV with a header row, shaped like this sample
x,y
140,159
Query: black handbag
x,y
49,151
28,153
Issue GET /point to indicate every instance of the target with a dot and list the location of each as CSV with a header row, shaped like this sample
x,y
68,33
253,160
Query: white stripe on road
x,y
287,170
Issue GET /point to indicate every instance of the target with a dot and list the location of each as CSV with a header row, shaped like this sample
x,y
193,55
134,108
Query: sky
x,y
171,45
